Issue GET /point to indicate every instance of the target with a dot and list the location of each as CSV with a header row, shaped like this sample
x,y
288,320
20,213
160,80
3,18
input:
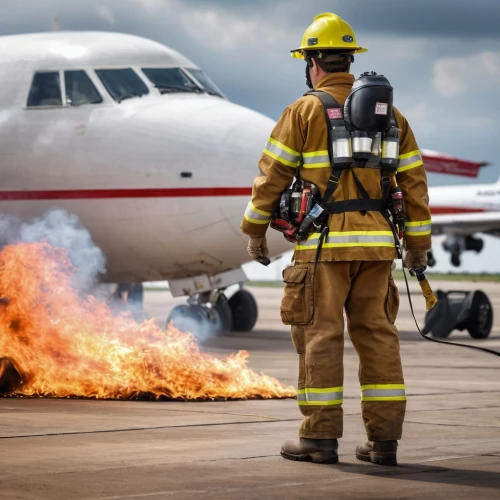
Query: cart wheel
x,y
480,319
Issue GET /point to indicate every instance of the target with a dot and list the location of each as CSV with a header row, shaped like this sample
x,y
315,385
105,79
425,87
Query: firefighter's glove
x,y
415,259
257,248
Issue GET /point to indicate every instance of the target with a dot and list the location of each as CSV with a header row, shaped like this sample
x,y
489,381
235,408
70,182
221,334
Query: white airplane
x,y
138,142
459,212
141,145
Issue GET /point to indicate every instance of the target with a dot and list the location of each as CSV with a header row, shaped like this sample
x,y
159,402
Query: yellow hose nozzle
x,y
430,299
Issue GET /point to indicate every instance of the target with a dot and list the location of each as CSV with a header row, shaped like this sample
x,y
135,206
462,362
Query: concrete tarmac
x,y
104,450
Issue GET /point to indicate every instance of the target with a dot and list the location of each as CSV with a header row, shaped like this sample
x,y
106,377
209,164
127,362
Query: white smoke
x,y
62,230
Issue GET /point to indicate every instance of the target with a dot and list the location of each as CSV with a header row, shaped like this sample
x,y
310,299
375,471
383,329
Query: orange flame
x,y
66,346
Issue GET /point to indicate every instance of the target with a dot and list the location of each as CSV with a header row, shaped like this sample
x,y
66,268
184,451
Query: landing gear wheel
x,y
188,318
223,310
244,311
431,261
480,319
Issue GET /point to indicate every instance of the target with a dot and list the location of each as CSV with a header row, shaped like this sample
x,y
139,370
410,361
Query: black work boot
x,y
378,452
319,451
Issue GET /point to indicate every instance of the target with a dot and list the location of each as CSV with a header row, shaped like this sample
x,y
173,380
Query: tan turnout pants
x,y
314,307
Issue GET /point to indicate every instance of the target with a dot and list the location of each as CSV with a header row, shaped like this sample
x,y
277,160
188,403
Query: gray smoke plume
x,y
62,230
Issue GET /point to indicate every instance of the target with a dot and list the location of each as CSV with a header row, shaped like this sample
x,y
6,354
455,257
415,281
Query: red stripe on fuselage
x,y
94,194
455,210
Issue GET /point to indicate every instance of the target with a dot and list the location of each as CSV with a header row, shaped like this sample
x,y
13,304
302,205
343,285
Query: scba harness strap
x,y
336,126
335,121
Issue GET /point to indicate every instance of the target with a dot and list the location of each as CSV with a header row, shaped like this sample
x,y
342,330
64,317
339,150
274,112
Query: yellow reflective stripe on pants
x,y
383,392
257,216
420,228
282,153
328,396
410,160
316,159
349,239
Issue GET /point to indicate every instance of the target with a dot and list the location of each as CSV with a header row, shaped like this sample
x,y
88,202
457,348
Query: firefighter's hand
x,y
257,248
415,259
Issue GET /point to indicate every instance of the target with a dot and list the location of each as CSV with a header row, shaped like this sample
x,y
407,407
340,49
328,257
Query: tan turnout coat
x,y
300,140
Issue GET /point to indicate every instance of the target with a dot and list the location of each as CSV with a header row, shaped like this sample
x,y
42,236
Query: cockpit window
x,y
170,80
45,90
80,89
203,79
122,83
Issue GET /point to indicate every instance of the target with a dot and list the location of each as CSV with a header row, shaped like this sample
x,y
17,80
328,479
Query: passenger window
x,y
45,90
122,83
80,89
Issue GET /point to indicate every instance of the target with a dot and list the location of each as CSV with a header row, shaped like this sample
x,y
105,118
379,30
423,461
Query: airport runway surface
x,y
79,450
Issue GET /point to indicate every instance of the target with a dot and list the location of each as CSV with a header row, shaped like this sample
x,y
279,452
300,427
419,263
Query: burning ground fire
x,y
63,345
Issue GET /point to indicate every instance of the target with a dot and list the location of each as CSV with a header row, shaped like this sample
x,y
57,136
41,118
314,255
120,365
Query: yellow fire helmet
x,y
328,31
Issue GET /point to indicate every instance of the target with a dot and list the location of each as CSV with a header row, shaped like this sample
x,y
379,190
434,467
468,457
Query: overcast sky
x,y
442,56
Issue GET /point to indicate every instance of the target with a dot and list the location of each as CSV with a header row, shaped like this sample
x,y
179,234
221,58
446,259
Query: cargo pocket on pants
x,y
297,305
392,304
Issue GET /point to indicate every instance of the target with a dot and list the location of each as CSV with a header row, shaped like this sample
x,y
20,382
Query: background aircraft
x,y
141,145
459,212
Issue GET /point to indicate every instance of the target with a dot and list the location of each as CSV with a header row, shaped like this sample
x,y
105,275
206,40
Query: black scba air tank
x,y
369,105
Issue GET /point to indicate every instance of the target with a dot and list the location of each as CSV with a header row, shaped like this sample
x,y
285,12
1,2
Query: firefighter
x,y
353,270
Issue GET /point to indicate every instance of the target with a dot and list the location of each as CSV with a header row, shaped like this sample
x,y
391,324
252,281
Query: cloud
x,y
243,46
105,13
457,75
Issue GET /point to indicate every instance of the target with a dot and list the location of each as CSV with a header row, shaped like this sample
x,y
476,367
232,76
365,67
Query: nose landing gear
x,y
211,313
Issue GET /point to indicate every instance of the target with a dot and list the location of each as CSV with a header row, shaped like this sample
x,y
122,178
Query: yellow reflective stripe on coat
x,y
419,228
410,160
281,153
316,159
349,239
327,396
383,392
257,216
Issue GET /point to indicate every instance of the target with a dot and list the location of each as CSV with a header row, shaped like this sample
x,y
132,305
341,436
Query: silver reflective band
x,y
312,160
385,239
281,153
256,216
342,148
383,393
390,149
426,228
329,396
362,144
410,160
320,396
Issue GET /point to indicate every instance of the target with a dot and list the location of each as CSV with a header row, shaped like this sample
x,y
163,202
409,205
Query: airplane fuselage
x,y
161,180
462,199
